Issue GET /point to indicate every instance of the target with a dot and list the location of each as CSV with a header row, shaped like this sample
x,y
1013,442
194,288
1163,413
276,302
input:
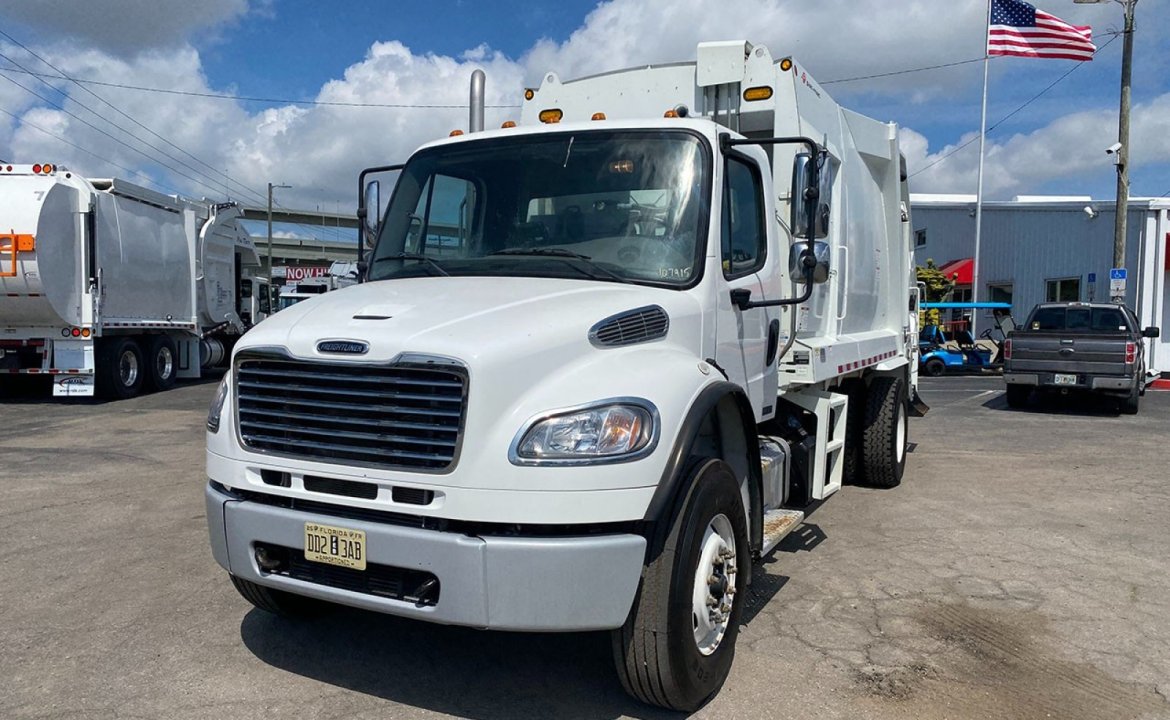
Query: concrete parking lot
x,y
1022,570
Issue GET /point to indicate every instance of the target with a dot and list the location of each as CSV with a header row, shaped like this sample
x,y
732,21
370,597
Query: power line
x,y
903,72
127,116
1007,117
247,98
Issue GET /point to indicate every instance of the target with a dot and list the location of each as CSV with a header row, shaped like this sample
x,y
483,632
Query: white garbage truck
x,y
109,286
600,363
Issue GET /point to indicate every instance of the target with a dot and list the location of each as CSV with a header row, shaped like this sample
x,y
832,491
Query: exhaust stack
x,y
475,122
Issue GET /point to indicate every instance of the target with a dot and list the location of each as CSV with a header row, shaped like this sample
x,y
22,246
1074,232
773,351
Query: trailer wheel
x,y
162,363
121,370
1017,395
277,602
886,432
677,644
934,367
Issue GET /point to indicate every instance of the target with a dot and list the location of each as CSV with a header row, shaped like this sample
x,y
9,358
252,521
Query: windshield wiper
x,y
416,256
568,255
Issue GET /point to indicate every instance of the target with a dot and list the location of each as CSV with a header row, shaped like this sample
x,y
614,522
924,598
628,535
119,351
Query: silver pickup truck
x,y
1073,346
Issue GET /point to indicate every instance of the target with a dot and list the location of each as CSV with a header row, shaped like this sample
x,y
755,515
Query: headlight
x,y
217,402
612,431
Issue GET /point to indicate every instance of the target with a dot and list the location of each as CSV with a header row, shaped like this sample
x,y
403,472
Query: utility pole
x,y
270,187
1122,154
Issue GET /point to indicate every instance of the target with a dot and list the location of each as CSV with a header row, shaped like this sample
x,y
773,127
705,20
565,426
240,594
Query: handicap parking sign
x,y
1117,274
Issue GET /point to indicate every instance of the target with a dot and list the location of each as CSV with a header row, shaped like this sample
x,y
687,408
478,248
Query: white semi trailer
x,y
108,285
677,308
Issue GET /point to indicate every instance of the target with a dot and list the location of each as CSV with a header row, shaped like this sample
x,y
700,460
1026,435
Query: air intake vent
x,y
631,327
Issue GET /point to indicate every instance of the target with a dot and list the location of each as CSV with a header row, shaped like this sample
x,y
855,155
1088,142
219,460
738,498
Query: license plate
x,y
335,546
1065,379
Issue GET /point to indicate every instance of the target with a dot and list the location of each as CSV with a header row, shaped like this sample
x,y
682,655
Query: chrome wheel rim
x,y
713,594
165,363
128,368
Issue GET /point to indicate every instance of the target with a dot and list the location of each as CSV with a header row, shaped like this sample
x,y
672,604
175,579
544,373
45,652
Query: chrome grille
x,y
402,416
633,326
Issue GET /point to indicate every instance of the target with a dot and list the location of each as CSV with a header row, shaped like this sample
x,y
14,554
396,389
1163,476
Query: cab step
x,y
777,524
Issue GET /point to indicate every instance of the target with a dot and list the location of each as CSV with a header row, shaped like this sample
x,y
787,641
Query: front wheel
x,y
886,432
677,644
934,367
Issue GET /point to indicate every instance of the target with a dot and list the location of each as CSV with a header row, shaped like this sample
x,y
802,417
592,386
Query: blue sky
x,y
408,52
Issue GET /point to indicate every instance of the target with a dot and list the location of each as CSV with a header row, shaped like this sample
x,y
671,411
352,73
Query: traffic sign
x,y
1117,274
1092,277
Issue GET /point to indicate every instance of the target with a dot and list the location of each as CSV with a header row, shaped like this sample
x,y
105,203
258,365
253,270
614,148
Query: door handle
x,y
773,342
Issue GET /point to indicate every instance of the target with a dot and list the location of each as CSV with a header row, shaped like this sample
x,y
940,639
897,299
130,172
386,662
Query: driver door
x,y
742,335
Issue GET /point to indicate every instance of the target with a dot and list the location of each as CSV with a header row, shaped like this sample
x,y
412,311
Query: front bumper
x,y
505,583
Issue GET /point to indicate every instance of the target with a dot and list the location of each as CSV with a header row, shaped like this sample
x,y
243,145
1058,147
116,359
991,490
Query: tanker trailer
x,y
109,286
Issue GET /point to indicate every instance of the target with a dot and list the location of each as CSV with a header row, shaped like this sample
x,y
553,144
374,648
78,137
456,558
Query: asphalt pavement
x,y
1020,571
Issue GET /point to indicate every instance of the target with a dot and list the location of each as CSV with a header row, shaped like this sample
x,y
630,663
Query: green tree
x,y
938,286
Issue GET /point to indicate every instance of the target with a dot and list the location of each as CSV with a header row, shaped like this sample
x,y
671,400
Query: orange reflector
x,y
529,93
75,332
508,124
598,116
84,332
786,64
670,113
455,132
37,169
48,168
551,116
757,93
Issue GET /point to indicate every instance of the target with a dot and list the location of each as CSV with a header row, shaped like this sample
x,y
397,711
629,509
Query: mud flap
x,y
917,407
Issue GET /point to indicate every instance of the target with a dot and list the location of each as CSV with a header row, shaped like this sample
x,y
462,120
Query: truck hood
x,y
467,318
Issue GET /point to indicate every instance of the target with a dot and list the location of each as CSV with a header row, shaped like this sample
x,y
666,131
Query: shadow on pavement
x,y
1073,404
471,673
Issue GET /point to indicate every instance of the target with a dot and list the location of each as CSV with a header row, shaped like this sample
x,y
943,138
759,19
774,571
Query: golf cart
x,y
940,350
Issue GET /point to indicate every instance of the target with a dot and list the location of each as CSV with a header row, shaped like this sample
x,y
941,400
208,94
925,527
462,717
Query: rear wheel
x,y
1129,405
1017,395
886,432
934,367
162,363
277,602
676,647
121,371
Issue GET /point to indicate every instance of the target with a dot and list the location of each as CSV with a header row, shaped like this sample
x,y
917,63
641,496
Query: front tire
x,y
677,644
886,432
277,602
934,367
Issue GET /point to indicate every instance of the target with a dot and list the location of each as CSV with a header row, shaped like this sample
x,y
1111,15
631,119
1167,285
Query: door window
x,y
744,236
443,217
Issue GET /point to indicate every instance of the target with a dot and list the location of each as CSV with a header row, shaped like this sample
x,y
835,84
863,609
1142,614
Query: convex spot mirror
x,y
821,254
803,226
372,204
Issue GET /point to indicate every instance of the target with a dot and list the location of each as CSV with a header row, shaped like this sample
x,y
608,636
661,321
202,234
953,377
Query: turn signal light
x,y
1007,349
85,332
553,115
757,93
1130,352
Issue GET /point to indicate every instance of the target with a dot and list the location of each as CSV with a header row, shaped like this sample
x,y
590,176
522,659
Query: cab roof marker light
x,y
455,133
786,64
598,116
529,93
508,124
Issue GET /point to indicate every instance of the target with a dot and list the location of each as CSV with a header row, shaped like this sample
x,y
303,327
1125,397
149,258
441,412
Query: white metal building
x,y
1037,249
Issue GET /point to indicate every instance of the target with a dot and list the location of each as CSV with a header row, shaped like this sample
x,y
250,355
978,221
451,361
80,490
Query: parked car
x,y
1074,346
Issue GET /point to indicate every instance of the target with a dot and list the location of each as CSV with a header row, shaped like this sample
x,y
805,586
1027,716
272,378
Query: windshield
x,y
609,206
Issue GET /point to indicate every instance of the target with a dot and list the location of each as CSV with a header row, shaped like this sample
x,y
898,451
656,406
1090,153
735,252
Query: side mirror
x,y
1151,332
811,179
371,204
799,258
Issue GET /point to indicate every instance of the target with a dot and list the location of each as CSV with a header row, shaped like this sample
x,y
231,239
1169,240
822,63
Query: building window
x,y
920,238
1001,293
1063,290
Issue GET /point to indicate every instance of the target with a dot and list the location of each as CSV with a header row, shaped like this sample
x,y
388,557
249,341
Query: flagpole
x,y
979,190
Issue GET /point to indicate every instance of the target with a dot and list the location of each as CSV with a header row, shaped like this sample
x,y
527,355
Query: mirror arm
x,y
726,142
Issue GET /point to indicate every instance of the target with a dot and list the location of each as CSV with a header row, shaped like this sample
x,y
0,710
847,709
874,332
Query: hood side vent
x,y
631,327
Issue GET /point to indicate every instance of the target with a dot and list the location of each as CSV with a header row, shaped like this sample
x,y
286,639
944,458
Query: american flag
x,y
1019,29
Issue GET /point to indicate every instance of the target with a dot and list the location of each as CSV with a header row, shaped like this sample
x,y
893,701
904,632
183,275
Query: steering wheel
x,y
986,334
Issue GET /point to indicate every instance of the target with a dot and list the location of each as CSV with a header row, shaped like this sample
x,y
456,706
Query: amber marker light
x,y
508,124
455,132
553,115
757,93
598,116
529,93
786,64
670,113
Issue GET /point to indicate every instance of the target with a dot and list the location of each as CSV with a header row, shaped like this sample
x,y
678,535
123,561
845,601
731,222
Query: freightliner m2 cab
x,y
599,365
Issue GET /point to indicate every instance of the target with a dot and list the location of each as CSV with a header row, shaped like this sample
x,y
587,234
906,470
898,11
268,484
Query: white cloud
x,y
319,150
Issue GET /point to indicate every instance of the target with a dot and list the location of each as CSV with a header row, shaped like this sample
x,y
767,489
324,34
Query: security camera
x,y
1114,148
1090,211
